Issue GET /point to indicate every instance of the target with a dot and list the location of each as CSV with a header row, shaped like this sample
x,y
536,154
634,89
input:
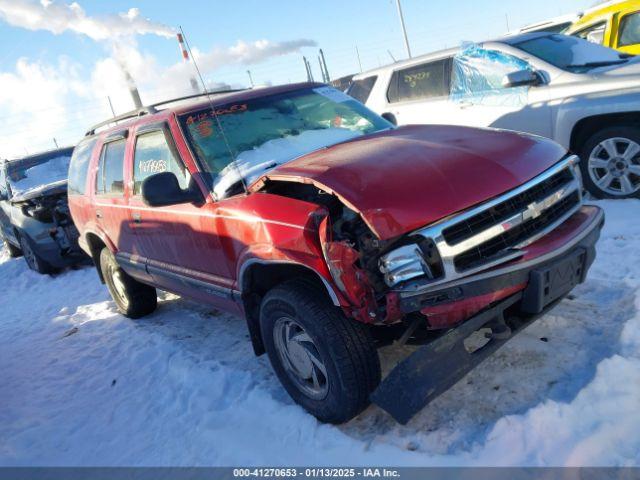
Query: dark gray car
x,y
34,214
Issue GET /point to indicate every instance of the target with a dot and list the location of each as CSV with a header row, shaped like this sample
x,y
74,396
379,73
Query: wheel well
x,y
259,278
95,247
590,125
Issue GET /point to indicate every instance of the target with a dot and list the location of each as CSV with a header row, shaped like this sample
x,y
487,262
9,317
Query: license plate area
x,y
549,283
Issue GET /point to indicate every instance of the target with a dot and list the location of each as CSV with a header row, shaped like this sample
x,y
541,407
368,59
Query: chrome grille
x,y
496,231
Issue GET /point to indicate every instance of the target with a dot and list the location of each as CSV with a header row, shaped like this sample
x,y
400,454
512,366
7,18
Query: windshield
x,y
28,174
262,133
571,53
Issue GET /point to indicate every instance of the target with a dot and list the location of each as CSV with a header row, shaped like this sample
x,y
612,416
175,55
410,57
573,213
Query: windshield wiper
x,y
599,64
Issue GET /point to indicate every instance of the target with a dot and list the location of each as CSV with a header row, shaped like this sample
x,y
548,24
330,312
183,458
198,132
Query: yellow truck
x,y
613,24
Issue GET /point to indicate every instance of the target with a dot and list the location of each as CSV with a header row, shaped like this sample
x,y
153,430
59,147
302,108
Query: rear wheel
x,y
133,299
610,163
12,249
327,363
31,256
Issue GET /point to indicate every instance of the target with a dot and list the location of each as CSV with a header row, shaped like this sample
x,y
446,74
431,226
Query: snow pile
x,y
251,164
81,385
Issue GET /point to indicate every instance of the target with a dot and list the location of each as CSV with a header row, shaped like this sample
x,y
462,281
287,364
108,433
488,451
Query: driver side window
x,y
155,153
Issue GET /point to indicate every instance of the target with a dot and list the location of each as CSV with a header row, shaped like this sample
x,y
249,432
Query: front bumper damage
x,y
437,366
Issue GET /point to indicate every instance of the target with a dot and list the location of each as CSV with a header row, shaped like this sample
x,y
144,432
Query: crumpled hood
x,y
50,189
403,179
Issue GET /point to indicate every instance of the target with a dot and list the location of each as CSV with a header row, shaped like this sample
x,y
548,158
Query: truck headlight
x,y
575,165
403,264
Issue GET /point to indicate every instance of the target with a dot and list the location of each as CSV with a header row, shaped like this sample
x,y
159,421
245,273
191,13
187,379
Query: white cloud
x,y
58,18
40,101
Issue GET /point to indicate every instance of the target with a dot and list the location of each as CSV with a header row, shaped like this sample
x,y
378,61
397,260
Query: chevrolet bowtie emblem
x,y
533,211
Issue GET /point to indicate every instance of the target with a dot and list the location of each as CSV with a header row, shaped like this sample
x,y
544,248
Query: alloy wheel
x,y
614,166
301,358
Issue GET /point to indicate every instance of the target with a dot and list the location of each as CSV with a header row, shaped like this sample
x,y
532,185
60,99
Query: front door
x,y
180,243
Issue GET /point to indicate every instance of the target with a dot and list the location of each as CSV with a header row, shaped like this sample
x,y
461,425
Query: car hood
x,y
50,189
403,179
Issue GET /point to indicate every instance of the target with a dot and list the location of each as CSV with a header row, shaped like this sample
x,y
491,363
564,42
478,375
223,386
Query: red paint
x,y
448,315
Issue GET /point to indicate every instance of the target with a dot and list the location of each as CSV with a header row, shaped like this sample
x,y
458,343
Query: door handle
x,y
465,104
98,213
137,218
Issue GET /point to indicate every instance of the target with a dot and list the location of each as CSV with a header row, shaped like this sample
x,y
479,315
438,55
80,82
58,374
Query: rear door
x,y
111,200
180,243
420,94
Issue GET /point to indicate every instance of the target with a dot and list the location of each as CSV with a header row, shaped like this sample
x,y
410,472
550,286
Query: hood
x,y
50,189
630,68
406,178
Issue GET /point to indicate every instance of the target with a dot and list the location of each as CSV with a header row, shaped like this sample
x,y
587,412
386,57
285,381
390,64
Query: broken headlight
x,y
403,264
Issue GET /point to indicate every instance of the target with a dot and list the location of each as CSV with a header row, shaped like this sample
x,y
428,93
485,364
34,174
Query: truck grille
x,y
498,213
492,248
495,232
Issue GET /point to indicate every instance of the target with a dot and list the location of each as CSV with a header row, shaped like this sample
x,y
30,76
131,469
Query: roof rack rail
x,y
125,116
197,95
151,109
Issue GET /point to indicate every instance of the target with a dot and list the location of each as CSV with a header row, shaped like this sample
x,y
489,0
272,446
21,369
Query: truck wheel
x,y
133,299
326,362
610,163
34,261
13,250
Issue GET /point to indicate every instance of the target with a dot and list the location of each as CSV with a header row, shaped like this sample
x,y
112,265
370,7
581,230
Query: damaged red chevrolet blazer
x,y
335,233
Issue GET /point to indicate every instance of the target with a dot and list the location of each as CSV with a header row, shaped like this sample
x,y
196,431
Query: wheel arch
x,y
258,276
96,243
586,127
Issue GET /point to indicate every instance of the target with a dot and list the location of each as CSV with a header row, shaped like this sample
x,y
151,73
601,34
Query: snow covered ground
x,y
81,385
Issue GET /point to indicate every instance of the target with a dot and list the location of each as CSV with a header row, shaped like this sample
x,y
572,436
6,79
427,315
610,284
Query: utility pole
x,y
326,70
506,16
321,69
358,55
55,142
307,66
250,78
113,112
404,29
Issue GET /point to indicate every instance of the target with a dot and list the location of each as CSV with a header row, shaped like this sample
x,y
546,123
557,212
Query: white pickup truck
x,y
582,95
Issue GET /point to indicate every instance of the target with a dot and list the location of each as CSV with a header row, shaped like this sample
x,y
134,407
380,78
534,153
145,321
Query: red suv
x,y
334,233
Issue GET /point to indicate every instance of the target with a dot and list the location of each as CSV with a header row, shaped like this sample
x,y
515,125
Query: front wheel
x,y
327,363
12,249
610,163
133,299
34,261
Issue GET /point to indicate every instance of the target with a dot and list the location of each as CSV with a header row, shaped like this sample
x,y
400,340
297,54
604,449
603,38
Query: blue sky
x,y
75,68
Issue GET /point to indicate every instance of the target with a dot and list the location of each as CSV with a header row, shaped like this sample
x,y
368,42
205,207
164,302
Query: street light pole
x,y
404,29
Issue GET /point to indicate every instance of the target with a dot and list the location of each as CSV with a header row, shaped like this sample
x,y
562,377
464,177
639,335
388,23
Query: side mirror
x,y
521,78
390,117
163,189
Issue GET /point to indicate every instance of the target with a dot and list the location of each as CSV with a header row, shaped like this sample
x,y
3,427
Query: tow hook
x,y
497,329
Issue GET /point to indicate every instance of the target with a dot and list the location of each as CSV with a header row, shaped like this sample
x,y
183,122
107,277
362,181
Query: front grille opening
x,y
498,213
498,245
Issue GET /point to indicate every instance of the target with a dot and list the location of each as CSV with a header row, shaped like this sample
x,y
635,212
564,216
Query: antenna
x,y
213,110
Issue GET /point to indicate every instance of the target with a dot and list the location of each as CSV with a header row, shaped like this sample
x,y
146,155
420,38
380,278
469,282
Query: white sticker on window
x,y
333,94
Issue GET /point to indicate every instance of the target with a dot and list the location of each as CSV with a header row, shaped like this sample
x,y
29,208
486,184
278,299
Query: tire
x,y
343,349
132,298
31,256
14,251
610,163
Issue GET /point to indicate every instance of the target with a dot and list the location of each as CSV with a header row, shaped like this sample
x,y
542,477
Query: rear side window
x,y
420,82
630,30
361,89
156,153
110,179
79,167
